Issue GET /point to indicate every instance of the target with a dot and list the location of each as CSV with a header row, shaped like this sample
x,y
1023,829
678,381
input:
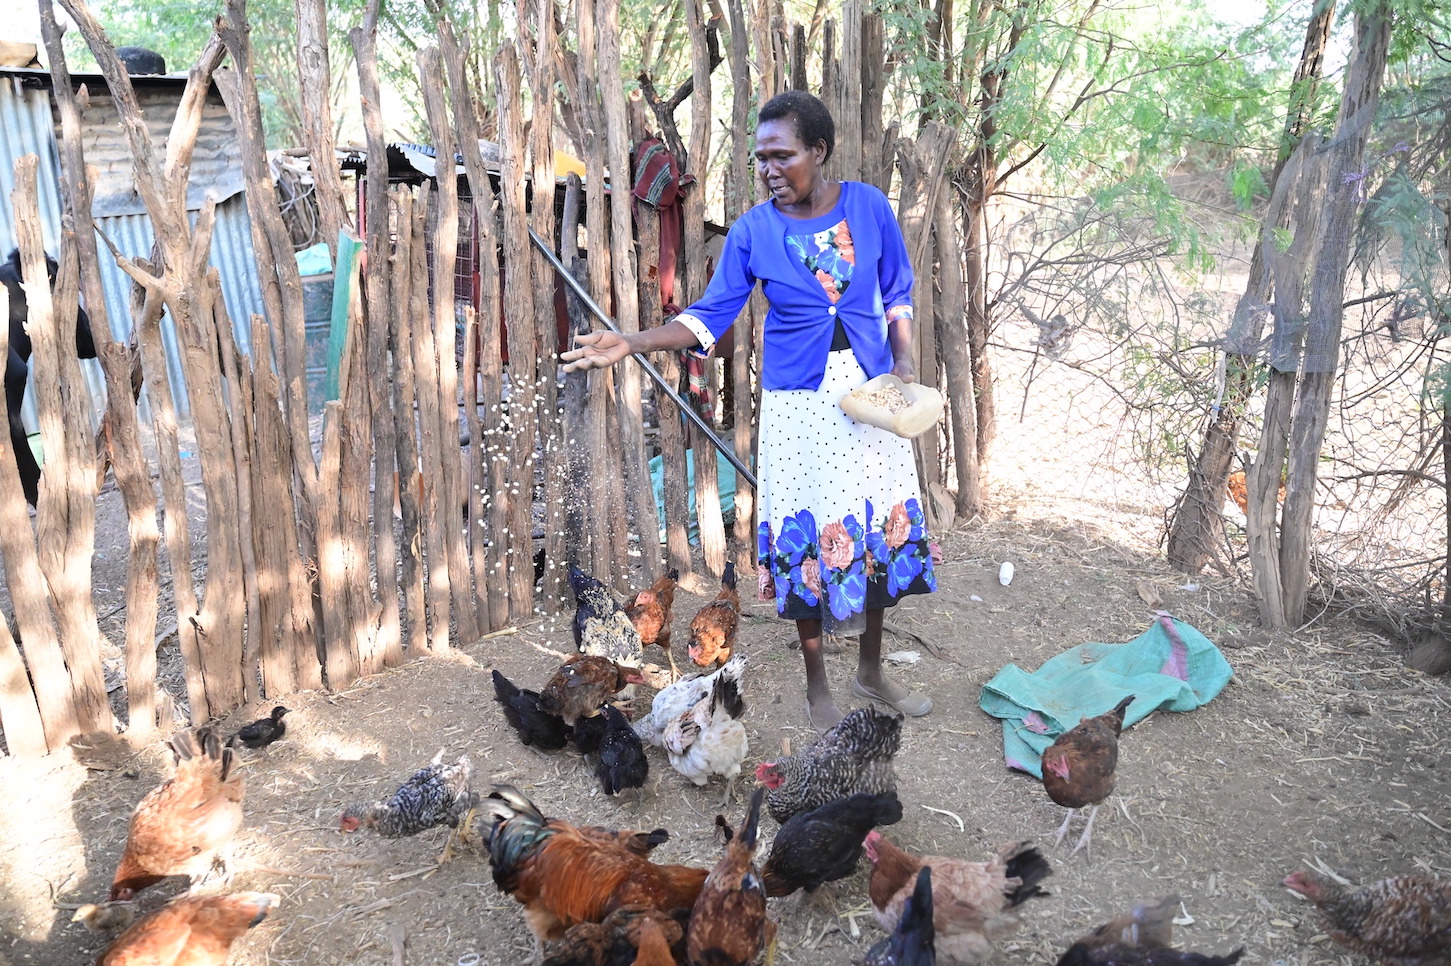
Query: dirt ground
x,y
1324,748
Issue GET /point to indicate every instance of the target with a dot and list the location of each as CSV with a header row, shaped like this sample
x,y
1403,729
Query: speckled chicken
x,y
825,844
1079,768
651,611
713,628
601,626
191,931
433,796
675,699
184,825
854,756
582,684
1402,921
709,739
1143,936
533,724
729,925
913,942
973,903
625,935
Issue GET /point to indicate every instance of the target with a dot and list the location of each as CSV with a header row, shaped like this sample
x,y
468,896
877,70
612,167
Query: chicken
x,y
562,877
854,756
1078,768
263,731
106,916
824,844
1238,485
587,734
1404,921
709,739
913,942
679,697
622,761
601,626
640,843
193,931
582,684
625,935
713,628
651,611
534,725
974,903
184,825
436,795
1143,936
728,925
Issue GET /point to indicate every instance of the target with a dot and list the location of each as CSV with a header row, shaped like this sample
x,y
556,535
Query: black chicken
x,y
913,942
825,844
263,731
433,796
534,725
587,733
622,761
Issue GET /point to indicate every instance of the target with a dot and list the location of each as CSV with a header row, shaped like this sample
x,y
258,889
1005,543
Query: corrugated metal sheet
x,y
27,126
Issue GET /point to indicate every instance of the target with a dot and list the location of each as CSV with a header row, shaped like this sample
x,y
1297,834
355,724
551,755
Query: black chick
x,y
913,942
263,731
622,762
825,844
587,733
534,725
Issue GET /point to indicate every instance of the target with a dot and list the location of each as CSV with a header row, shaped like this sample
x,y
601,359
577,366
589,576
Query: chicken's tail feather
x,y
1029,867
728,578
504,689
728,696
518,830
886,809
1118,712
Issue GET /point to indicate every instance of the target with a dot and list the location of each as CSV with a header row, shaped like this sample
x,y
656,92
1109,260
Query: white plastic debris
x,y
904,657
1191,587
1005,573
977,598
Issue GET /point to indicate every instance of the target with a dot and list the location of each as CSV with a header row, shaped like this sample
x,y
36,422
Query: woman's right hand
x,y
596,350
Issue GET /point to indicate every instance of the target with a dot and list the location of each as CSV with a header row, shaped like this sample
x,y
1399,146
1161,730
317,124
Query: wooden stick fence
x,y
341,548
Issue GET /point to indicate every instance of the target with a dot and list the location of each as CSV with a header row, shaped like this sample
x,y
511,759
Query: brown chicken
x,y
651,611
1143,936
582,684
713,628
625,935
1404,921
193,931
562,876
1078,768
183,826
728,925
973,903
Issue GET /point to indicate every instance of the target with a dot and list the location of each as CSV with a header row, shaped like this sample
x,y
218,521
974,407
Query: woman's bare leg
x,y
821,705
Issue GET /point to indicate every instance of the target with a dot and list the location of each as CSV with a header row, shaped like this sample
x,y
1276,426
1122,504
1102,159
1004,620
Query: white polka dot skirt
x,y
840,524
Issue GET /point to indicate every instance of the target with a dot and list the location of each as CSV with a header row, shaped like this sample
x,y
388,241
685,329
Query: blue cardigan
x,y
801,320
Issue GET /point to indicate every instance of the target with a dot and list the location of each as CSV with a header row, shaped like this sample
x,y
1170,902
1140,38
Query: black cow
x,y
17,366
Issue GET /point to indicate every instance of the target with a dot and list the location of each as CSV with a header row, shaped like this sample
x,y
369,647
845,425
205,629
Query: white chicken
x,y
680,697
709,739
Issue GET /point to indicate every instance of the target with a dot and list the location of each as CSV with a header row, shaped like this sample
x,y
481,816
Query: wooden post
x,y
65,516
19,711
579,549
798,56
518,310
404,308
876,163
707,484
478,545
120,426
743,181
315,87
640,504
445,324
555,588
490,459
962,413
848,154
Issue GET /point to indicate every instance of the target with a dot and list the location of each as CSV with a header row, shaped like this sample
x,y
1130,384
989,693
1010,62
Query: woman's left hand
x,y
904,370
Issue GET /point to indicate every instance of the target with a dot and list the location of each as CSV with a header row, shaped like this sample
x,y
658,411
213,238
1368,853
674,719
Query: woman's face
x,y
790,170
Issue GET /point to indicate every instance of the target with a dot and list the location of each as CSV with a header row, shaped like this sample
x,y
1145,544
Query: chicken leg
x,y
1086,837
1063,829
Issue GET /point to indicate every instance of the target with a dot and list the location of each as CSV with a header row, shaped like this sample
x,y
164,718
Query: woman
x,y
841,534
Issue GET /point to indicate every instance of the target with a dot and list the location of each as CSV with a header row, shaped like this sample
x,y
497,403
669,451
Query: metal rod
x,y
584,297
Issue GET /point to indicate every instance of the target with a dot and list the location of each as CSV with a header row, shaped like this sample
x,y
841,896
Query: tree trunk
x,y
1197,529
